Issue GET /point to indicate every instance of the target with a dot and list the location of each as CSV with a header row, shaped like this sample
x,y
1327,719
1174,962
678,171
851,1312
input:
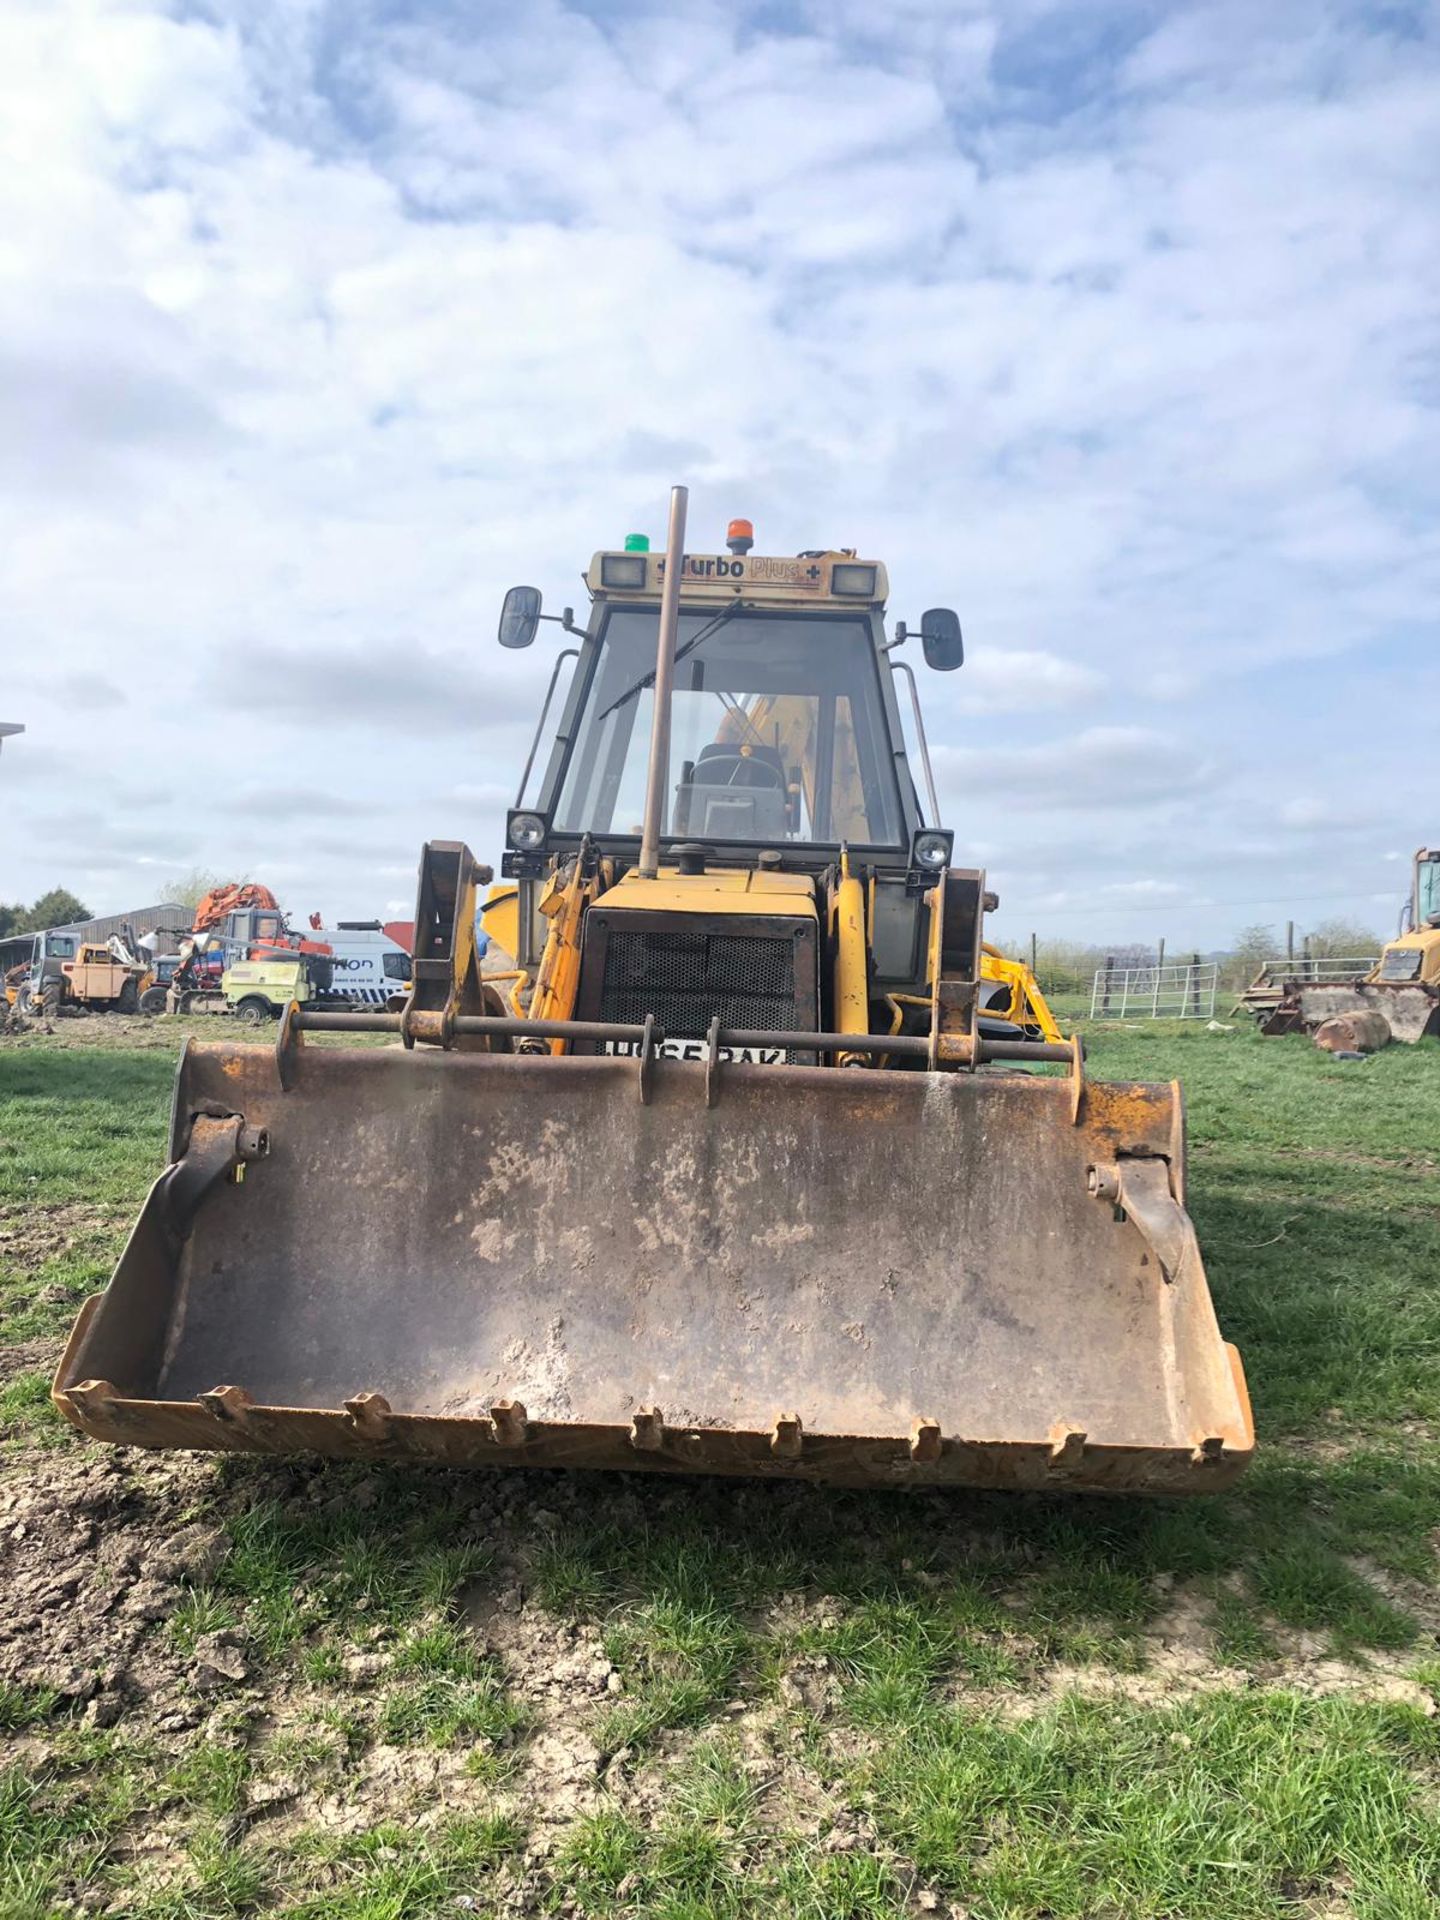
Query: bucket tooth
x,y
88,1397
1210,1451
369,1415
787,1437
925,1441
1067,1445
509,1422
647,1429
226,1404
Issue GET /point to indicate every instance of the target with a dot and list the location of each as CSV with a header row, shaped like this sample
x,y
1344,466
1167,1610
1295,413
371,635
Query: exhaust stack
x,y
659,775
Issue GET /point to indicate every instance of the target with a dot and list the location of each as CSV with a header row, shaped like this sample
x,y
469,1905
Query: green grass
x,y
82,1124
22,1706
82,1134
1231,1807
447,1692
395,1872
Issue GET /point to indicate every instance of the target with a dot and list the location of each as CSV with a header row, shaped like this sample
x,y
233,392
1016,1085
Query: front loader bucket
x,y
1411,1011
852,1276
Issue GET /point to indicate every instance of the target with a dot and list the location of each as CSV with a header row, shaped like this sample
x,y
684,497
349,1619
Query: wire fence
x,y
1184,990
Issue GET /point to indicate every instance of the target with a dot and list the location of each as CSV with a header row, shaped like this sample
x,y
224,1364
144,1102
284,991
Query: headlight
x,y
525,832
930,850
846,576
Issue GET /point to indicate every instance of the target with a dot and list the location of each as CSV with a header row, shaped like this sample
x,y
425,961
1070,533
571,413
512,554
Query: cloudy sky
x,y
1113,325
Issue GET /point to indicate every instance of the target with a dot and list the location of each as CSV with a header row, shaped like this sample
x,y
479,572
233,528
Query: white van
x,y
368,965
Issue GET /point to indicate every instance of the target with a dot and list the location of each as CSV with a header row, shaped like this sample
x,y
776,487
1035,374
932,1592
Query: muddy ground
x,y
119,1616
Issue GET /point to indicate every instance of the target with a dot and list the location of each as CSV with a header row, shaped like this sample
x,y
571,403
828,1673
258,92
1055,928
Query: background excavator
x,y
735,1169
240,921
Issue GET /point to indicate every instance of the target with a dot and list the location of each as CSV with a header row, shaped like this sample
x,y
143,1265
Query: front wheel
x,y
152,1000
253,1011
129,998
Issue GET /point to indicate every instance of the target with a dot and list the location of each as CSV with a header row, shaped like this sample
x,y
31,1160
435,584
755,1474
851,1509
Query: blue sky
x,y
1113,326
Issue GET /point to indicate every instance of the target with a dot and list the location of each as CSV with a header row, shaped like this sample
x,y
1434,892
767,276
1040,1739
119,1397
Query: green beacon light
x,y
637,543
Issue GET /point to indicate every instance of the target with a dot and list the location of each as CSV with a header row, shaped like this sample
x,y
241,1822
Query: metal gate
x,y
1183,991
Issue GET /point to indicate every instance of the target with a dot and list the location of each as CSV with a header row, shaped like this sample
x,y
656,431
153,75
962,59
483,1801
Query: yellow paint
x,y
852,987
563,903
1027,1006
1427,944
728,891
500,917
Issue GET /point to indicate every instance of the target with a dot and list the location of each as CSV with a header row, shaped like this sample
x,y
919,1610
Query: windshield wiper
x,y
648,680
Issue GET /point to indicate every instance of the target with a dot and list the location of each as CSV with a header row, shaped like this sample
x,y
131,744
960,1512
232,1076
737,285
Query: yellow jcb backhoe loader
x,y
735,1170
1404,984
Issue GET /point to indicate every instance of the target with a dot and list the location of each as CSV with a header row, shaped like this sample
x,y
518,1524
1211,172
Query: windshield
x,y
778,732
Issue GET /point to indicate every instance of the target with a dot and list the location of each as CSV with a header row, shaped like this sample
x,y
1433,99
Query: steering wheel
x,y
739,769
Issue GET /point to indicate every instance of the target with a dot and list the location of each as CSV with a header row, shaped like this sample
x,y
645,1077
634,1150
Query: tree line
x,y
61,908
57,908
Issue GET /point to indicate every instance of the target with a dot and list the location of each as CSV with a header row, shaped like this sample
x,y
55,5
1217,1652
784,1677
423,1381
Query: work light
x,y
846,576
625,570
930,849
525,832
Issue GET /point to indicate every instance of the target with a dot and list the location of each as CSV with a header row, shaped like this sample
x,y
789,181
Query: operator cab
x,y
785,731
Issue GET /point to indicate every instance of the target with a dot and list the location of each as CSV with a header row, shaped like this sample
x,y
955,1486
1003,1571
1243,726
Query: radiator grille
x,y
685,979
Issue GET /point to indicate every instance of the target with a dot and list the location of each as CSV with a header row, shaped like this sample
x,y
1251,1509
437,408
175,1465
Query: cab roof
x,y
834,579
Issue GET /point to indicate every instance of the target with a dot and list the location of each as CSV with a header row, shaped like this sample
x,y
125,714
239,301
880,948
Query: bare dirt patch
x,y
33,1233
1179,1660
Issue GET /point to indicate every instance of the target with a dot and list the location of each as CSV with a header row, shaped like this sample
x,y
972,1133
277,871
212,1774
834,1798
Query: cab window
x,y
778,731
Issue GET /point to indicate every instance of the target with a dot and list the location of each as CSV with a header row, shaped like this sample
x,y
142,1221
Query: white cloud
x,y
1097,770
1023,680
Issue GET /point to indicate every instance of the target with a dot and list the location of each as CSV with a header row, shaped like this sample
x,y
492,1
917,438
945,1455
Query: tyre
x,y
128,999
253,1011
49,1001
152,1000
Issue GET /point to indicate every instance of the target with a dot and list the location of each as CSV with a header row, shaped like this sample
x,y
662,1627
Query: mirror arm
x,y
565,619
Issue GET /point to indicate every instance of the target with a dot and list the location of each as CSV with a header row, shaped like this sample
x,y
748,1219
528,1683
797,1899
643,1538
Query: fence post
x,y
1195,985
1290,944
1034,962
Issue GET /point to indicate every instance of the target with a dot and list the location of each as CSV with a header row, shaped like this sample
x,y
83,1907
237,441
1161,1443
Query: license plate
x,y
697,1050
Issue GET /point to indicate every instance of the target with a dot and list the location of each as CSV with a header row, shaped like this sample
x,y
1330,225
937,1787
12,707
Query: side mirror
x,y
520,617
940,637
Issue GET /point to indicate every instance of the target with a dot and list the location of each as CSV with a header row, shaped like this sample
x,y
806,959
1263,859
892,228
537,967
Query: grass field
x,y
234,1687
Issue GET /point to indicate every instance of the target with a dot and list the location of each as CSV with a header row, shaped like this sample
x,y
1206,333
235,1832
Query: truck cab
x,y
95,976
